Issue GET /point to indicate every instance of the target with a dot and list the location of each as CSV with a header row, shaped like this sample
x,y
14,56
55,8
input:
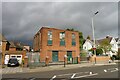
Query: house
x,y
118,41
113,43
14,51
56,43
9,50
88,44
4,46
26,47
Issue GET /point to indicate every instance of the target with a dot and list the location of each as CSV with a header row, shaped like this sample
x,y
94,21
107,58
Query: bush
x,y
83,53
99,51
116,57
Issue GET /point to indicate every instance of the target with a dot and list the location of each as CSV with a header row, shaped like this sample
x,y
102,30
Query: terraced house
x,y
56,43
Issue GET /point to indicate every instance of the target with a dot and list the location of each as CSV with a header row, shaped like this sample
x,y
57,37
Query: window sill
x,y
49,45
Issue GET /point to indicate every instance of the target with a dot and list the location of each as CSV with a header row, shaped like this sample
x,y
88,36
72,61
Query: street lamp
x,y
93,30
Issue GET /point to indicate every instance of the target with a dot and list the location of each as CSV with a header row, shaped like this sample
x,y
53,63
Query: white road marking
x,y
53,77
114,70
90,73
81,72
105,70
64,74
32,79
86,75
73,75
111,68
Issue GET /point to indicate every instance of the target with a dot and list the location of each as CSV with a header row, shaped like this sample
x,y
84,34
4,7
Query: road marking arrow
x,y
105,70
53,77
73,75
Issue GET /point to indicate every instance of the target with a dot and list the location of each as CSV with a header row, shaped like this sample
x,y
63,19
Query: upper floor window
x,y
73,39
62,38
49,42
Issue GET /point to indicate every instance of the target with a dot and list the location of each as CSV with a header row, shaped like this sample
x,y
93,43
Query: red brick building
x,y
56,43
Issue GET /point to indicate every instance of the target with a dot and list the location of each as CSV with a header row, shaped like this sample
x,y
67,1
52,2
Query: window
x,y
13,56
49,38
62,38
18,56
73,39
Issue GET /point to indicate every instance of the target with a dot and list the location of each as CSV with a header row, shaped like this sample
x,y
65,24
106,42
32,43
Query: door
x,y
69,55
6,59
54,56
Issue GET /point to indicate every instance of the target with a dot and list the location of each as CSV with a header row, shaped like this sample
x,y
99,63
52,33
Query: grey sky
x,y
21,20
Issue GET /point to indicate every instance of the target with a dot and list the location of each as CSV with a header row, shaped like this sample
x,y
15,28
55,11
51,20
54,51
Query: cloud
x,y
21,20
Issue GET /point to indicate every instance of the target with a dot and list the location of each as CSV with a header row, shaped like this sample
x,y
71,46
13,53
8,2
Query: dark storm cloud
x,y
23,20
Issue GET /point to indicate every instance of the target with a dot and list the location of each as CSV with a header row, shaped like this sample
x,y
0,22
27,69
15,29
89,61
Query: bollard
x,y
47,61
78,58
65,58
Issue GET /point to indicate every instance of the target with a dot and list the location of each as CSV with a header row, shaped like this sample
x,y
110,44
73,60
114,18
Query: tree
x,y
88,37
70,29
81,40
105,45
99,51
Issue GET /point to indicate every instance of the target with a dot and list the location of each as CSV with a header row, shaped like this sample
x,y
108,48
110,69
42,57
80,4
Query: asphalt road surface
x,y
108,71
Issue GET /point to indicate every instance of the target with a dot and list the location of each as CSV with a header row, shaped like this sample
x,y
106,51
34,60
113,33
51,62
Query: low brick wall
x,y
100,58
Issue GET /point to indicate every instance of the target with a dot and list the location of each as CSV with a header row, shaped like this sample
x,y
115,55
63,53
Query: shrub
x,y
83,53
99,51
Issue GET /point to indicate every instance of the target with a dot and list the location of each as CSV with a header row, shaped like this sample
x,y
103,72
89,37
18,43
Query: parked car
x,y
13,62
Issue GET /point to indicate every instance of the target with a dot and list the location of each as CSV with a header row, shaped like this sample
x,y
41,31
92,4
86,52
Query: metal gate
x,y
34,60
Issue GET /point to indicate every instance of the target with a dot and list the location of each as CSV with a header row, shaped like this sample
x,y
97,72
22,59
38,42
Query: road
x,y
107,71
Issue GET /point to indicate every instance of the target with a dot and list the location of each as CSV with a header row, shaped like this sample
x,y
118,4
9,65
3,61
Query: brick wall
x,y
40,43
100,58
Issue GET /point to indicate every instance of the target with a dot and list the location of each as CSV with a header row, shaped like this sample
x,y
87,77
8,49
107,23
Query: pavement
x,y
13,70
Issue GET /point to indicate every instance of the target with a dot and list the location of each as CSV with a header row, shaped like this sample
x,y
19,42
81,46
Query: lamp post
x,y
93,31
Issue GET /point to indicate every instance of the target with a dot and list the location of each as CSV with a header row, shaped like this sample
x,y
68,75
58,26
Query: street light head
x,y
96,12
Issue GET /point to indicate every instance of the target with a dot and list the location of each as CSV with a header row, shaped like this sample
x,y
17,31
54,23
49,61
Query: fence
x,y
34,59
73,60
